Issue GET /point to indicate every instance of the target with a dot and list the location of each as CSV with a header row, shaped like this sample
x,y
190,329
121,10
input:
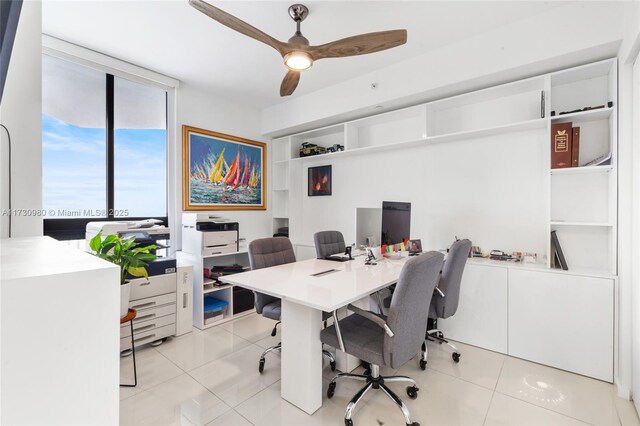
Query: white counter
x,y
59,334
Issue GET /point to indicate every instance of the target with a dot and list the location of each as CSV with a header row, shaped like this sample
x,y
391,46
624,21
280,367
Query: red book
x,y
561,145
575,147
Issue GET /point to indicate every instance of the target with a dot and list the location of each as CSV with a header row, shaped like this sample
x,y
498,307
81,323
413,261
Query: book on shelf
x,y
557,256
561,135
575,147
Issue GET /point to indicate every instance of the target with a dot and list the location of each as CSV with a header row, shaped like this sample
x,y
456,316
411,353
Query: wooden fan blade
x,y
360,44
289,83
237,24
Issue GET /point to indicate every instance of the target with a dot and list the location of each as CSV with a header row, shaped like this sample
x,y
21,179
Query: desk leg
x,y
301,365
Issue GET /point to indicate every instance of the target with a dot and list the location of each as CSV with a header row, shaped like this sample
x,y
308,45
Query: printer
x,y
207,234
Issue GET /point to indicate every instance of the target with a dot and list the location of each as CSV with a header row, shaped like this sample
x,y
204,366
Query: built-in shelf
x,y
538,123
225,254
583,116
281,162
584,169
489,131
567,223
210,287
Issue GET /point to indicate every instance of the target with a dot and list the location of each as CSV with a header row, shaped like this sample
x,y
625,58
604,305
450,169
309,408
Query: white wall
x,y
485,189
628,302
207,111
21,111
529,47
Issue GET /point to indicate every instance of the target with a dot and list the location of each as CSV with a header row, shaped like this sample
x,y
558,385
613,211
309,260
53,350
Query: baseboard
x,y
623,391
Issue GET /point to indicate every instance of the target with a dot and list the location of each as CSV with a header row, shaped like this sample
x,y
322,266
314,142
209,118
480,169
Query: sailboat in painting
x,y
214,181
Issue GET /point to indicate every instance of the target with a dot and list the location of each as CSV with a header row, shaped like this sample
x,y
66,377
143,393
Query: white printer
x,y
209,234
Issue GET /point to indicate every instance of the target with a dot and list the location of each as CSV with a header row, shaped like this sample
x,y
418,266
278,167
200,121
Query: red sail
x,y
232,172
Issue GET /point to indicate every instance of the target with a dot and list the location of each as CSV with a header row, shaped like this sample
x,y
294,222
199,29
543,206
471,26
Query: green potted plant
x,y
124,252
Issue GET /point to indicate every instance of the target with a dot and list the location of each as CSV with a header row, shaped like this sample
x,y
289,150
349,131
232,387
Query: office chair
x,y
387,341
264,253
445,301
328,243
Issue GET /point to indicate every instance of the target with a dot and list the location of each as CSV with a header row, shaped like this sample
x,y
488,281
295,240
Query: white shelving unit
x,y
583,200
205,287
581,197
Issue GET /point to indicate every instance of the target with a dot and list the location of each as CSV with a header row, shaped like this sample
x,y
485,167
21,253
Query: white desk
x,y
304,297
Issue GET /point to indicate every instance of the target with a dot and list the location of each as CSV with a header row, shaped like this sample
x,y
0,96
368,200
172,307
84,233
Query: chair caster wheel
x,y
423,364
413,424
455,356
261,365
331,390
348,422
332,364
441,334
412,392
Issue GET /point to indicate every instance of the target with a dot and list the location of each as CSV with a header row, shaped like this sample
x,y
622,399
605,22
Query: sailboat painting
x,y
222,172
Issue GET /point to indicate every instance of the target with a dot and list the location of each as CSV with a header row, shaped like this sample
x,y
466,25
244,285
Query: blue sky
x,y
74,169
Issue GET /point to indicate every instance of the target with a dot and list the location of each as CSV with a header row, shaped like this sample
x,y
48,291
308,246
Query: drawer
x,y
158,284
152,302
147,336
156,312
220,238
149,324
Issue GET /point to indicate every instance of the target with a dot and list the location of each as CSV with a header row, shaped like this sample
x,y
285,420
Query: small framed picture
x,y
415,246
319,181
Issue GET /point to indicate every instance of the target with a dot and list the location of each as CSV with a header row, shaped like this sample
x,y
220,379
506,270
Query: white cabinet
x,y
60,319
202,250
481,319
562,320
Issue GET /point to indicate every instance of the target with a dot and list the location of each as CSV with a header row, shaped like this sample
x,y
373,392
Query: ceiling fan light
x,y
298,61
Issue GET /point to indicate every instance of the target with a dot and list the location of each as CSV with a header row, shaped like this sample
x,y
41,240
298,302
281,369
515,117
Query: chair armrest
x,y
439,292
372,317
336,323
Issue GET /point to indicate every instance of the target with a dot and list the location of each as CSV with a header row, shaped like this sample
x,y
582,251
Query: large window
x,y
104,148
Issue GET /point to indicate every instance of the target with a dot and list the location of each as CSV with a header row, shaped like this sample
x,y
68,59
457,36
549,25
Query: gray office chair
x,y
445,301
392,340
264,253
328,243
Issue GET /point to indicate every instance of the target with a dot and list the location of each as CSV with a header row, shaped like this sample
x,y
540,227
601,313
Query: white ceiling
x,y
174,39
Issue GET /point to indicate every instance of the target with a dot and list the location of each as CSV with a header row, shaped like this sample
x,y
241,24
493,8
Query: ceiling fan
x,y
298,55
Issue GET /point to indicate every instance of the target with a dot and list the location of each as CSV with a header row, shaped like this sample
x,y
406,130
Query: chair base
x,y
376,381
278,347
438,336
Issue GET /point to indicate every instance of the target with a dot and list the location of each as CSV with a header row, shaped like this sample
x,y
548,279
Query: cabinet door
x,y
564,321
481,319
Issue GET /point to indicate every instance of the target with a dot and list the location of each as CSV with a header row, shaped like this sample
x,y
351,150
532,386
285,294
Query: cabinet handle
x,y
145,317
143,305
145,283
145,337
184,300
146,327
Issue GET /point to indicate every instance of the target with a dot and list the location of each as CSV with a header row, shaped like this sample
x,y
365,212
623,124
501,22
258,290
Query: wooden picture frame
x,y
319,181
222,172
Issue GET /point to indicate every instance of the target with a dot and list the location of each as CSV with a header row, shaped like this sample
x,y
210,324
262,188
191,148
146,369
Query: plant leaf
x,y
107,247
94,244
138,271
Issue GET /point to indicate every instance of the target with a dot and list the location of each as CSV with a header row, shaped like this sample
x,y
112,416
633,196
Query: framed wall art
x,y
222,172
319,181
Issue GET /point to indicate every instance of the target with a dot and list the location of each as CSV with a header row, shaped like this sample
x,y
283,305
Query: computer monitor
x,y
368,226
396,222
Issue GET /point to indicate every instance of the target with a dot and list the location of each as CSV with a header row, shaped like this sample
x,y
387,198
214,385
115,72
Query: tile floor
x,y
211,378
